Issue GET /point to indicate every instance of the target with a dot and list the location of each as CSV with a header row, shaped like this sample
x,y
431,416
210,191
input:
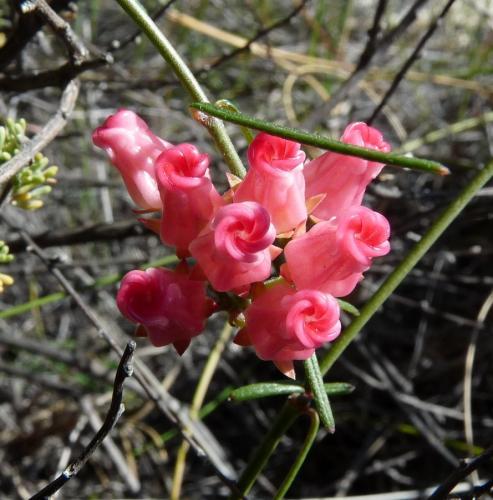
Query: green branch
x,y
403,269
319,141
281,424
300,459
216,128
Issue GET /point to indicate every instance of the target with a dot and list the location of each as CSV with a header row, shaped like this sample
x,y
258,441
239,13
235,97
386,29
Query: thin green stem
x,y
403,269
216,128
319,141
300,459
316,386
281,424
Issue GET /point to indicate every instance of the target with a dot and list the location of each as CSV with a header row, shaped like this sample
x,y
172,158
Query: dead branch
x,y
464,469
124,370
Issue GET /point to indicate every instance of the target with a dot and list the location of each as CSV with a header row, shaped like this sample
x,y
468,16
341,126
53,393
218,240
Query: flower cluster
x,y
288,239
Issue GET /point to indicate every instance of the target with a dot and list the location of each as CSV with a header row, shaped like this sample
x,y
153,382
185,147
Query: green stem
x,y
216,128
403,269
316,386
300,459
281,424
322,142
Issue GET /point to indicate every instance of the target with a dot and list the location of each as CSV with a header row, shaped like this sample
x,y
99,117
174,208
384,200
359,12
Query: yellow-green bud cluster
x,y
33,181
5,257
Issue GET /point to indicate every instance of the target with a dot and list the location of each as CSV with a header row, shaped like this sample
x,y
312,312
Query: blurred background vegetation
x,y
422,367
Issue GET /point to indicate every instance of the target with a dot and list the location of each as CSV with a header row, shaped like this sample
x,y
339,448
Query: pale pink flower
x,y
187,193
275,180
235,249
344,178
133,149
170,306
284,325
333,254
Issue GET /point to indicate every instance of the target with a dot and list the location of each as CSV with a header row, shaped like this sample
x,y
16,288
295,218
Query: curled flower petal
x,y
235,249
342,178
283,324
275,180
188,196
333,255
133,149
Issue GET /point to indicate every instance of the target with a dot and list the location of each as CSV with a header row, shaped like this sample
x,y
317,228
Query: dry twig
x,y
124,370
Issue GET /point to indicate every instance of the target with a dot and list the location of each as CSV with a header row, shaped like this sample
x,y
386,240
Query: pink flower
x,y
235,250
284,325
133,149
171,307
332,256
275,180
344,178
187,193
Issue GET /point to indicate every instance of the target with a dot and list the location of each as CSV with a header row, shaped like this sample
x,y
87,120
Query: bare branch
x,y
86,234
464,469
78,52
364,65
28,25
410,60
124,370
260,34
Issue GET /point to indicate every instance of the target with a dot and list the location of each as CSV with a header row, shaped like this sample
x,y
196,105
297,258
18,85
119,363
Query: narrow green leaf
x,y
28,306
316,386
338,388
227,104
319,141
265,390
349,308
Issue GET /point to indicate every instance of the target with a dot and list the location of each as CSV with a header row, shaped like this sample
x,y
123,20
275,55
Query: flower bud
x,y
170,306
275,180
187,193
344,178
333,255
133,149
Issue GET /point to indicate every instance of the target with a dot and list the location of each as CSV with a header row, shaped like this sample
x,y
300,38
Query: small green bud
x,y
50,171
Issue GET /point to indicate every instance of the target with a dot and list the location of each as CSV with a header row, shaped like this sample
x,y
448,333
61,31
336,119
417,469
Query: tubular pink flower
x,y
275,180
171,307
285,325
235,250
187,193
333,255
344,178
133,149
